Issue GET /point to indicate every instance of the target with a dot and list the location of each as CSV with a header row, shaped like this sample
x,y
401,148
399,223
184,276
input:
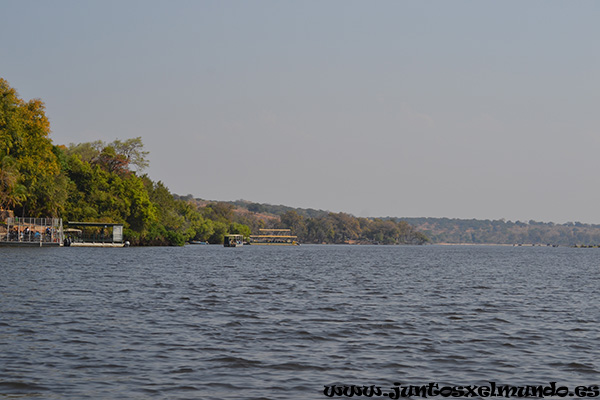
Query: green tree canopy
x,y
30,168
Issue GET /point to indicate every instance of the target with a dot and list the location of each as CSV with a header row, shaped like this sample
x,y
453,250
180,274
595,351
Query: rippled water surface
x,y
207,322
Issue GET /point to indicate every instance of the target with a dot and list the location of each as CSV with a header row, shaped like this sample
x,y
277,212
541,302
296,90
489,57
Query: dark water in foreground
x,y
206,322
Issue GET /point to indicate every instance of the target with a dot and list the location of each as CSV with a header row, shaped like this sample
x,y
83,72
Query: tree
x,y
118,156
11,192
346,227
219,212
111,161
133,151
244,230
29,165
86,151
294,221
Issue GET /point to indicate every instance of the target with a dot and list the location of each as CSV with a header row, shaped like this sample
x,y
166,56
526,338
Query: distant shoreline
x,y
474,244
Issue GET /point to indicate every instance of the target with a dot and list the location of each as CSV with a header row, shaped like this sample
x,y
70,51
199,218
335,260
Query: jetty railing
x,y
32,230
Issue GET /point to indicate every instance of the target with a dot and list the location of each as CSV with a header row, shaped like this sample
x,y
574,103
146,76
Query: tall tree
x,y
29,164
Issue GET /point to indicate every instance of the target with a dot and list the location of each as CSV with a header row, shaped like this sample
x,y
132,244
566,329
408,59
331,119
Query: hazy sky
x,y
462,109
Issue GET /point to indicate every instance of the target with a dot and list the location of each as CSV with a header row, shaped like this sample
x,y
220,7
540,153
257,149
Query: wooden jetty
x,y
31,232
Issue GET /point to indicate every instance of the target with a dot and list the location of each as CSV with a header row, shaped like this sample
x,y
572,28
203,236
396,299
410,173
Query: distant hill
x,y
452,230
261,208
310,225
437,230
278,209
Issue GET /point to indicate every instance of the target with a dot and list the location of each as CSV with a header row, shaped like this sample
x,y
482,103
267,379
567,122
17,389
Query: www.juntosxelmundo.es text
x,y
434,389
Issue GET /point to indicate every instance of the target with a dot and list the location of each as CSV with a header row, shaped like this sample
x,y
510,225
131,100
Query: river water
x,y
259,322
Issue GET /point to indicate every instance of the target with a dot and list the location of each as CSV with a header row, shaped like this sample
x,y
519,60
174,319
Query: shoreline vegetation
x,y
503,232
105,182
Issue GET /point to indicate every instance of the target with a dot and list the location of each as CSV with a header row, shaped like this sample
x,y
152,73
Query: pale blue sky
x,y
466,109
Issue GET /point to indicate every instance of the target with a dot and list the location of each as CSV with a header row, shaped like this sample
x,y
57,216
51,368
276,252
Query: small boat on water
x,y
233,240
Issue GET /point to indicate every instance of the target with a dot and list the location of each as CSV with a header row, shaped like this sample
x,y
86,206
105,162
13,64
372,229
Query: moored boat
x,y
233,240
281,237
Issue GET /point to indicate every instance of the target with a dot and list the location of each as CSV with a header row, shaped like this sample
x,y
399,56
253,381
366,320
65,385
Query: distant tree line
x,y
279,209
318,226
341,228
450,230
105,182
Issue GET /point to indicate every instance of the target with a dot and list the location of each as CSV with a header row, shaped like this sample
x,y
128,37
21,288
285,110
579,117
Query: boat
x,y
233,240
94,234
281,237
